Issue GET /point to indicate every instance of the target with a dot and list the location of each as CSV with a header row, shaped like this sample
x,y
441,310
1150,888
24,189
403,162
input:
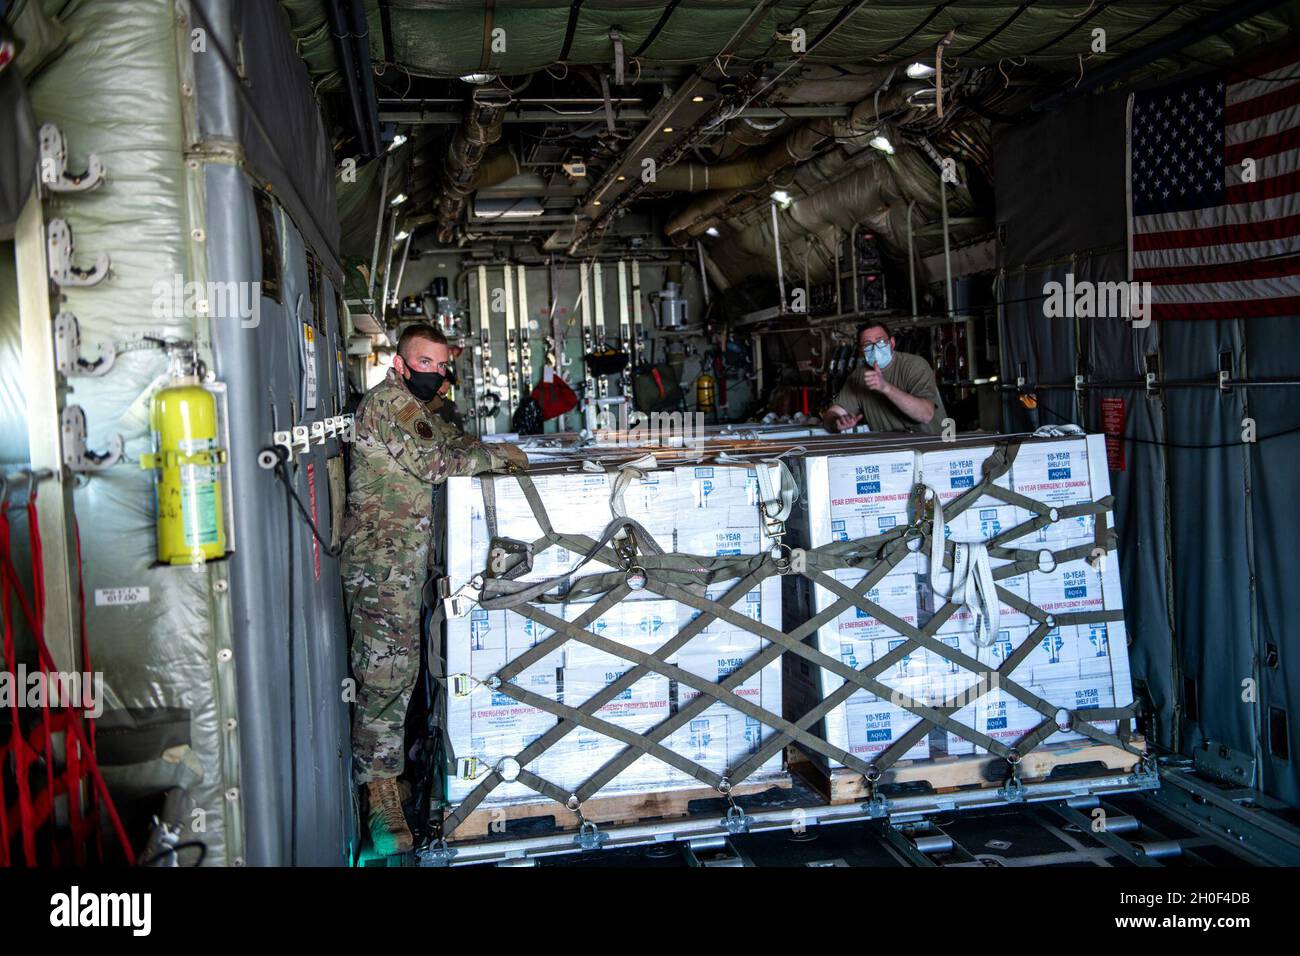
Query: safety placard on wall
x,y
309,367
1112,425
115,597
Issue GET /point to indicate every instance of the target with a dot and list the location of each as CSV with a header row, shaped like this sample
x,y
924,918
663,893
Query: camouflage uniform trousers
x,y
383,604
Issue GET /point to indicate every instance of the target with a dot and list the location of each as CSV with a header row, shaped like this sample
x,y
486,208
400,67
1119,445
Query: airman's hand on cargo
x,y
517,460
845,422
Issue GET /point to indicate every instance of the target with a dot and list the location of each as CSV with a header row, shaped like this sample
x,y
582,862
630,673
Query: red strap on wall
x,y
80,777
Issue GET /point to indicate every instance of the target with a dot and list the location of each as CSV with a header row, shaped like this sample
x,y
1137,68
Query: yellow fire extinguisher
x,y
706,389
186,462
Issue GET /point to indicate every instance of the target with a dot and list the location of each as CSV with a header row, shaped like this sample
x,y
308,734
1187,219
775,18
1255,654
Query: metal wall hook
x,y
54,164
76,456
60,249
67,349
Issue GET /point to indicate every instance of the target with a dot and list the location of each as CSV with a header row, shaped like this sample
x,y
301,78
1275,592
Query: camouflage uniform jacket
x,y
401,450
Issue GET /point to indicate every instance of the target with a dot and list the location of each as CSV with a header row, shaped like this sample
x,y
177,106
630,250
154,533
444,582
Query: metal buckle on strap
x,y
626,549
459,602
773,527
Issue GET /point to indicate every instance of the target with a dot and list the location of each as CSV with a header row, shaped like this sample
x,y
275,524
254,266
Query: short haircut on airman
x,y
419,330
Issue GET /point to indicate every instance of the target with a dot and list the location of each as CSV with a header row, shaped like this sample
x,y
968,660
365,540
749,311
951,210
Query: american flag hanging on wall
x,y
1214,166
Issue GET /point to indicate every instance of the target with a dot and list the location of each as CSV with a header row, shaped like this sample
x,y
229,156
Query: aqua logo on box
x,y
1058,466
867,478
879,727
961,473
1053,644
1076,584
839,531
997,716
1002,646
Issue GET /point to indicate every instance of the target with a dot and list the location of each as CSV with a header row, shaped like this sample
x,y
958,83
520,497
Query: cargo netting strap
x,y
684,578
31,815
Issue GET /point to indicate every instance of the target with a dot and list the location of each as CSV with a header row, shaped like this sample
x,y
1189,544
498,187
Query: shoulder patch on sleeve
x,y
407,411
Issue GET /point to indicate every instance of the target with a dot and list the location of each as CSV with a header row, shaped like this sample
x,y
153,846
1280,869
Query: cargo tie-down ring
x,y
782,555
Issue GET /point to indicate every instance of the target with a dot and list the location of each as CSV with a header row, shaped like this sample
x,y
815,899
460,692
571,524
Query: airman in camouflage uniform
x,y
400,451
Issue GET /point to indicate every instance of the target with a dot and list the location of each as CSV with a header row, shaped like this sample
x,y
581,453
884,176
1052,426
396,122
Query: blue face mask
x,y
879,353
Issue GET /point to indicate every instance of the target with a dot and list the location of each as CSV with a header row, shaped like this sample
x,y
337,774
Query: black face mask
x,y
424,385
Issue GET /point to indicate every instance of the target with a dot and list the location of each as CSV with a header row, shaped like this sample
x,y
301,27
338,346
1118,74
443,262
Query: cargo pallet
x,y
616,810
709,828
949,774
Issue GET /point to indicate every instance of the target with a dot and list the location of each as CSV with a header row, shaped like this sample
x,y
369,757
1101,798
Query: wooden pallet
x,y
614,810
945,774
